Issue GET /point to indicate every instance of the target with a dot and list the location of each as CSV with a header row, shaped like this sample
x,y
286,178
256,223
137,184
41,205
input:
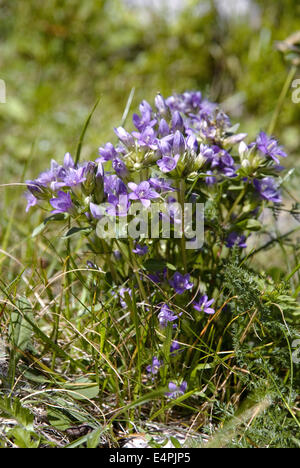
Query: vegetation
x,y
88,351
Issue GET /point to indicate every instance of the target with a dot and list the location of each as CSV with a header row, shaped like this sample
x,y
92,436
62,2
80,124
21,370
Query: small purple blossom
x,y
120,167
140,250
146,138
142,192
174,348
168,163
269,147
63,203
68,161
107,153
166,315
267,189
125,137
113,185
203,305
161,184
74,177
118,206
153,368
122,292
181,283
31,200
176,390
235,239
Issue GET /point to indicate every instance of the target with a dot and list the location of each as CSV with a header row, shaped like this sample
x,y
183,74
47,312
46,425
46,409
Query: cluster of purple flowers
x,y
182,138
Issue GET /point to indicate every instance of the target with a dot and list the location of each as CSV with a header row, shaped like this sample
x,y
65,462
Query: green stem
x,y
281,99
181,188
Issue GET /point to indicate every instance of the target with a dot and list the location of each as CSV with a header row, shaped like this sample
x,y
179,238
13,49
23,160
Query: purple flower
x,y
159,276
97,211
139,250
122,292
210,179
203,305
142,192
107,153
267,189
177,122
175,390
147,138
178,143
163,128
181,283
118,206
63,203
269,147
113,185
154,367
161,184
31,200
174,348
120,167
161,105
168,163
74,177
235,239
68,161
125,137
166,315
146,117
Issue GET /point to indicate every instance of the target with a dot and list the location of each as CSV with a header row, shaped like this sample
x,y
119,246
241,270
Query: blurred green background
x,y
57,57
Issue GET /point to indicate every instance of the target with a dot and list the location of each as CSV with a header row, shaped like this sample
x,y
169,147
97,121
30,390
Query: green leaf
x,y
41,227
154,265
83,388
24,438
249,225
94,438
175,442
75,230
12,409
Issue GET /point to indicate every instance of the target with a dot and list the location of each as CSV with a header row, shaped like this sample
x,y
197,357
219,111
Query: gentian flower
x,y
142,192
161,184
146,117
163,128
68,161
166,315
140,250
269,147
74,177
203,305
31,200
154,367
113,185
267,189
63,203
122,296
178,143
235,239
146,138
161,105
177,122
181,283
175,390
174,348
125,137
118,206
107,153
168,163
120,167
